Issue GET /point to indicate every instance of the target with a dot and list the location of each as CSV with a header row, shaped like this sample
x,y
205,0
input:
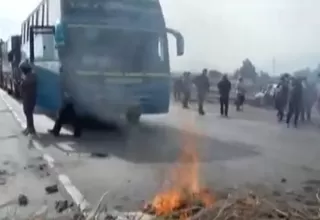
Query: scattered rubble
x,y
249,205
62,205
42,167
3,181
283,180
23,200
3,172
240,204
52,189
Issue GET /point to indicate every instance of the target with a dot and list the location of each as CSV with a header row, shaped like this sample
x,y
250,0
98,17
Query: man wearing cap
x,y
29,95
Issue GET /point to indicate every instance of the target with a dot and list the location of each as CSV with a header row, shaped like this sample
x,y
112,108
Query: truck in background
x,y
1,60
11,58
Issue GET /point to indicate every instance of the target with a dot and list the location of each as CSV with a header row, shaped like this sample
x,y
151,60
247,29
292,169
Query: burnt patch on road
x,y
157,144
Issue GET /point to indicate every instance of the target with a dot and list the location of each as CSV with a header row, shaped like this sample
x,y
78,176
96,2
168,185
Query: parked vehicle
x,y
111,57
11,57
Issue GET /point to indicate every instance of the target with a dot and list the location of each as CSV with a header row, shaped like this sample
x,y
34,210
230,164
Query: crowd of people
x,y
183,88
294,98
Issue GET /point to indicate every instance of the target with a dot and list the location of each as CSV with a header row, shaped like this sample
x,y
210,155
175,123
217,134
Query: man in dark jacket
x,y
281,97
203,86
224,87
295,101
309,98
29,95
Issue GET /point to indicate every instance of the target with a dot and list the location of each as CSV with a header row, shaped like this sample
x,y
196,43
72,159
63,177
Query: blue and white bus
x,y
110,56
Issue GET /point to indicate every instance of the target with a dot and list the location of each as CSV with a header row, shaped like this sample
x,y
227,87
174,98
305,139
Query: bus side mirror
x,y
179,41
180,46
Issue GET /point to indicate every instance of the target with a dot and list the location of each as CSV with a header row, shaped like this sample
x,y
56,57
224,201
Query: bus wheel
x,y
133,116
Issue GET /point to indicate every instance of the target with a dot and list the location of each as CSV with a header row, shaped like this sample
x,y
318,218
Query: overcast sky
x,y
221,33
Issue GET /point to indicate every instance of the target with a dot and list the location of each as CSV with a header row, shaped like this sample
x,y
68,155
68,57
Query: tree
x,y
315,73
248,70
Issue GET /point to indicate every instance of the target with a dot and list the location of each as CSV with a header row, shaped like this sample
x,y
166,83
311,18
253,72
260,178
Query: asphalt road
x,y
22,171
249,147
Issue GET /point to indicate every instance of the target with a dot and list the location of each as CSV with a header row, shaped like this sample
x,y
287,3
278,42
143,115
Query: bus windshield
x,y
117,50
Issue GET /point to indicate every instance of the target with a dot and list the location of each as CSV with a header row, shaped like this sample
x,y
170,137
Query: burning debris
x,y
178,205
184,197
247,205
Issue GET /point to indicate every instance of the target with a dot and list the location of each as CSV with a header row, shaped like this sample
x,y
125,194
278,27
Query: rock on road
x,y
249,147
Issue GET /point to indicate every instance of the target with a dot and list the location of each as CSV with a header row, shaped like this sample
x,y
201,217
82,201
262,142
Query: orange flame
x,y
185,183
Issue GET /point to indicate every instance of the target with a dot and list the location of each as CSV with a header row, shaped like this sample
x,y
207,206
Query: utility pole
x,y
273,65
1,61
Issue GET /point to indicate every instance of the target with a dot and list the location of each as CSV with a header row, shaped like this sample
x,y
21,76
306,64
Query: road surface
x,y
22,171
249,147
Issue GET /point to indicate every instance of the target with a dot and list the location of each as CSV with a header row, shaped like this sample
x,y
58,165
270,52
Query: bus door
x,y
38,30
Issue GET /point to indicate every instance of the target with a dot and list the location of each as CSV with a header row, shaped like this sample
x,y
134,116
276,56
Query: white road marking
x,y
63,179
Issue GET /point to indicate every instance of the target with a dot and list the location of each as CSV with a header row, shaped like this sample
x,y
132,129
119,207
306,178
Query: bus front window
x,y
118,50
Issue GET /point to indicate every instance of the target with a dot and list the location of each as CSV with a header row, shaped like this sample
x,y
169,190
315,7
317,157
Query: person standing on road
x,y
67,115
177,89
240,94
203,87
224,87
186,89
29,95
309,98
295,101
281,97
317,88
